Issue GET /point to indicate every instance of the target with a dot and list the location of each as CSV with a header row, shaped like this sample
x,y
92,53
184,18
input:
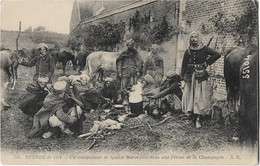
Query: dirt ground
x,y
173,134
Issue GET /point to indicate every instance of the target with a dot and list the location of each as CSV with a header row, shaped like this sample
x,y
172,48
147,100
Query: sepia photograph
x,y
129,82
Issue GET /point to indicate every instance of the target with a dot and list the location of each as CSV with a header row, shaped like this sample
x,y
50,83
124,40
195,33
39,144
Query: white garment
x,y
196,97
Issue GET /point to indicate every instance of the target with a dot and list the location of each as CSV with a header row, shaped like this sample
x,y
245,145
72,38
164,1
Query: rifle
x,y
210,40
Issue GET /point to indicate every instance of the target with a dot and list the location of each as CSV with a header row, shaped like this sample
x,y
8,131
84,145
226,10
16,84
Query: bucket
x,y
136,108
136,100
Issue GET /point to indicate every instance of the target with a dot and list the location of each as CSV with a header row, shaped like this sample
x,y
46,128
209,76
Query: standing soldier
x,y
129,66
154,65
44,63
196,96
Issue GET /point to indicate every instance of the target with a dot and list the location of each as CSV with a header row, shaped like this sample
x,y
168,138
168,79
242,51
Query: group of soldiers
x,y
60,105
195,101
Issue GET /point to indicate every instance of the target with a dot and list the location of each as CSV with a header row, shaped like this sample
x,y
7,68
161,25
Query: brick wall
x,y
195,13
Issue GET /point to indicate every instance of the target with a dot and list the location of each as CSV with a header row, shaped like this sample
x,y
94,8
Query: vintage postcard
x,y
129,82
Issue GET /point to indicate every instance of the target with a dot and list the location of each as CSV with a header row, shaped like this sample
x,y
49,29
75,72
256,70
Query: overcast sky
x,y
52,14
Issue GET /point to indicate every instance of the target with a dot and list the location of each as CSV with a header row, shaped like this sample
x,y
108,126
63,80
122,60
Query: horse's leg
x,y
102,74
15,75
82,64
70,64
12,76
16,72
64,67
80,67
74,62
93,79
7,77
98,75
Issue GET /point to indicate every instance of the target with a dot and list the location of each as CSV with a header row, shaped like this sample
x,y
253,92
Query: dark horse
x,y
80,59
63,57
241,75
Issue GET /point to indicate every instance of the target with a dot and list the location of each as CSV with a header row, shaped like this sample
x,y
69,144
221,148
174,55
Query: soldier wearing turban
x,y
154,65
45,64
129,66
196,96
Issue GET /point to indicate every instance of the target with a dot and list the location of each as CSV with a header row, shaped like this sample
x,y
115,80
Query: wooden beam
x,y
19,32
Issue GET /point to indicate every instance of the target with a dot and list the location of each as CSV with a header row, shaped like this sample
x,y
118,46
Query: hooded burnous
x,y
129,66
196,96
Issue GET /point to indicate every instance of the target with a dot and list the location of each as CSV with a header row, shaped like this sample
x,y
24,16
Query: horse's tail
x,y
86,69
227,53
250,49
88,66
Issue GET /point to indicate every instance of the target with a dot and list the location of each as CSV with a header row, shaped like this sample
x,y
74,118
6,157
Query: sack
x,y
200,73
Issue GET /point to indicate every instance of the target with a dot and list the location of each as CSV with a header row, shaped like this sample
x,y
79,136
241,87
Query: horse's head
x,y
69,55
25,54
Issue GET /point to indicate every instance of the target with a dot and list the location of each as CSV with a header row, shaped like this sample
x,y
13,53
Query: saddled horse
x,y
241,74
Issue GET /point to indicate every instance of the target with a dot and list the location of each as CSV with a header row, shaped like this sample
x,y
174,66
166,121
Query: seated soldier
x,y
65,120
86,93
55,104
32,101
148,83
169,94
110,92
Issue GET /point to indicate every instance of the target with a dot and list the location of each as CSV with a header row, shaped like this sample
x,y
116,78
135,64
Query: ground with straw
x,y
172,135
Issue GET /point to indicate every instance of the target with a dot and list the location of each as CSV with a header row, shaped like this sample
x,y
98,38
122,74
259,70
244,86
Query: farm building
x,y
223,22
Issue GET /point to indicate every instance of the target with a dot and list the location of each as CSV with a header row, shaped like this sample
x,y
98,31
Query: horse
x,y
9,64
81,60
241,75
64,57
248,79
232,63
98,63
